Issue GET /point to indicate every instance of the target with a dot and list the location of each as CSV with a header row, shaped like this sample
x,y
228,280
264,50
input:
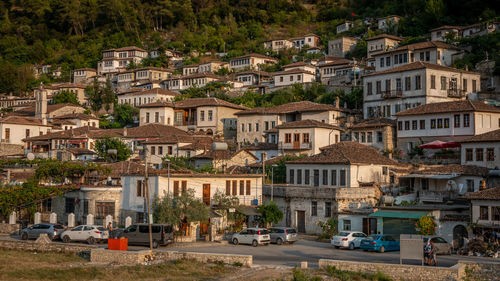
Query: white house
x,y
440,33
84,75
278,44
345,26
381,43
13,129
159,112
485,208
482,150
293,76
250,62
140,96
251,77
410,85
113,60
385,23
300,65
445,121
177,83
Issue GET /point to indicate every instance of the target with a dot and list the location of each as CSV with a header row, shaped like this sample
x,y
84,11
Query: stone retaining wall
x,y
246,260
44,247
481,271
119,257
400,272
6,228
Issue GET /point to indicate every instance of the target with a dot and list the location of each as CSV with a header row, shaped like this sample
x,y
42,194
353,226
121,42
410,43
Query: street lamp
x,y
272,180
168,173
146,185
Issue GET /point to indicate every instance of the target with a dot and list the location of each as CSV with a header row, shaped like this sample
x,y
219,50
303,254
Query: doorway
x,y
206,194
301,221
296,141
369,226
459,233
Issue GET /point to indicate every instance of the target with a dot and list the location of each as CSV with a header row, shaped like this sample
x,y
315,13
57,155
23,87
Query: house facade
x,y
482,150
250,62
159,112
379,133
84,75
338,47
293,76
278,44
114,60
485,209
345,26
14,129
178,83
140,96
381,43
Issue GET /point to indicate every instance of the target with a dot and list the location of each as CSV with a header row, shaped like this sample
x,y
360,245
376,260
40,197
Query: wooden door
x,y
296,141
206,194
301,221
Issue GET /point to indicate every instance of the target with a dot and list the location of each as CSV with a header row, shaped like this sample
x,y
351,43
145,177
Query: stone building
x,y
379,133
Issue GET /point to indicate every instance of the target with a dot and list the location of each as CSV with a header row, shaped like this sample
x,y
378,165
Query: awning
x,y
397,214
436,177
437,144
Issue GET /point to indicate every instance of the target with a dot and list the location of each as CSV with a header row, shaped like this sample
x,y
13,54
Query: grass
x,y
19,265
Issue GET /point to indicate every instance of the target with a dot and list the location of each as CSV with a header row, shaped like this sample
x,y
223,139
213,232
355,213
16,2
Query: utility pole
x,y
146,185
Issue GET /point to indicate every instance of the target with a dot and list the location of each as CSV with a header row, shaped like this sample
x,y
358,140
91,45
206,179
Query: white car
x,y
348,239
89,233
252,236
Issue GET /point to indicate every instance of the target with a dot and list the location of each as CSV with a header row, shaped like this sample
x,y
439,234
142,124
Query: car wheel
x,y
255,243
66,239
279,241
336,247
91,240
155,244
24,236
381,250
235,241
351,246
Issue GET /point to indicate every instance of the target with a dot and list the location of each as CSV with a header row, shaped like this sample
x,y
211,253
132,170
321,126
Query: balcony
x,y
184,123
393,94
5,140
456,93
295,146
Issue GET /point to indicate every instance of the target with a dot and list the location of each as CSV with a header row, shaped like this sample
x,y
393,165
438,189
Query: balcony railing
x,y
184,123
456,93
5,140
393,94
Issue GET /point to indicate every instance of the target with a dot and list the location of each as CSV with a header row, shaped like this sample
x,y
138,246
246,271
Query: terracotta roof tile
x,y
423,45
493,136
465,170
447,107
141,91
307,124
197,102
254,55
21,120
487,194
346,153
420,65
80,116
374,123
385,36
156,104
301,106
292,71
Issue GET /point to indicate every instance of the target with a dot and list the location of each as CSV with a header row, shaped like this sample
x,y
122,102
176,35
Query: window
x,y
169,148
496,213
464,85
385,170
369,137
333,177
474,86
157,117
466,120
369,90
468,154
235,187
387,85
422,124
242,127
69,205
307,177
176,188
440,123
379,137
147,117
407,125
483,213
242,187
210,115
299,176
479,154
456,122
248,188
288,138
490,154
379,87
314,208
398,84
104,209
273,124
363,137
407,83
443,83
388,61
414,125
266,125
400,125
184,187
291,78
328,209
305,137
153,150
228,187
347,225
292,176
316,177
433,123
256,127
427,56
249,127
27,133
381,62
418,82
433,81
446,122
202,115
140,188
325,177
342,178
422,56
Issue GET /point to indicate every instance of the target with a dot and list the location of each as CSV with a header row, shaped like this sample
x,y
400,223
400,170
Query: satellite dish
x,y
30,156
452,185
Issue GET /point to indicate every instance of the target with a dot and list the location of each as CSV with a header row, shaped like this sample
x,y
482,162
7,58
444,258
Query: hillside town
x,y
400,142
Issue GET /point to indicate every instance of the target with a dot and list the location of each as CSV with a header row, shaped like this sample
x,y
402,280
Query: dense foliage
x,y
175,210
71,34
65,97
102,147
270,212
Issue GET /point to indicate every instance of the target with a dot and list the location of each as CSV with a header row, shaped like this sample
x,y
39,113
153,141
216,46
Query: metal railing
x,y
456,93
392,94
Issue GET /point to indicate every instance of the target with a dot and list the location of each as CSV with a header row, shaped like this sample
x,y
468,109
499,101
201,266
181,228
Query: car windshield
x,y
343,234
264,231
58,226
290,230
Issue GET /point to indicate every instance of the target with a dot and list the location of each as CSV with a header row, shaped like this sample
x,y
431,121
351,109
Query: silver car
x,y
280,235
33,232
252,236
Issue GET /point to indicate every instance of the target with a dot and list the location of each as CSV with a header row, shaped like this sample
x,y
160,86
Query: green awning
x,y
398,214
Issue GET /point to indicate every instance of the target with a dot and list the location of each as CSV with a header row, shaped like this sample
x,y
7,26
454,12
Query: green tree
x,y
328,228
124,114
93,92
173,210
103,145
65,97
270,213
108,96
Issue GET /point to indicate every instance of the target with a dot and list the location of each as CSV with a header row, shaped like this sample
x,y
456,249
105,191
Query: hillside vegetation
x,y
72,33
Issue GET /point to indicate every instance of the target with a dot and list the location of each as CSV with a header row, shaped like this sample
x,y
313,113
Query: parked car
x,y
33,232
138,234
348,239
280,235
89,233
252,236
380,243
442,246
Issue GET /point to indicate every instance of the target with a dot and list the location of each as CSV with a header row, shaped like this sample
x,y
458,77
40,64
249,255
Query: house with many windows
x,y
253,122
482,150
445,121
345,26
277,45
159,112
393,90
293,76
485,209
250,62
252,78
339,46
140,96
178,83
338,72
84,75
379,133
381,43
114,60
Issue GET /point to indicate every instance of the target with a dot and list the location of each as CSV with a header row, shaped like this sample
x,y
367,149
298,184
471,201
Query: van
x,y
138,234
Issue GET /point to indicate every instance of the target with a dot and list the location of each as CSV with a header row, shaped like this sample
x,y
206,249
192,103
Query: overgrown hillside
x,y
72,33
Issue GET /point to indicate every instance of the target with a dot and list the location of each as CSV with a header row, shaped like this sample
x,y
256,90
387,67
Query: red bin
x,y
118,244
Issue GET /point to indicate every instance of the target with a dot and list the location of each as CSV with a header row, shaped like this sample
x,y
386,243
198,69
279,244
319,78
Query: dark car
x,y
33,232
138,234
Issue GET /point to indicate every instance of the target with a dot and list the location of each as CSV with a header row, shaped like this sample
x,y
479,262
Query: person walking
x,y
427,252
432,255
110,229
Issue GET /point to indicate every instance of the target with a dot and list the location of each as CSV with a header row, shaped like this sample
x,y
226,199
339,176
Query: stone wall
x,y
6,228
11,149
246,260
44,247
481,271
119,257
400,272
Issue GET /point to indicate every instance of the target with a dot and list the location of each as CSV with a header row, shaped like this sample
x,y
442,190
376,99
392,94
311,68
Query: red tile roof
x,y
301,106
21,120
197,102
423,45
493,136
254,55
487,194
385,36
464,170
156,104
449,107
307,124
141,91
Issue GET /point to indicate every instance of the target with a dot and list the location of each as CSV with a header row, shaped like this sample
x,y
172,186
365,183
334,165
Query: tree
x,y
125,113
103,145
107,95
328,227
93,92
270,213
65,97
225,202
175,210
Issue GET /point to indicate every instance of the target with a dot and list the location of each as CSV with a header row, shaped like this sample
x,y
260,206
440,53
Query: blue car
x,y
380,243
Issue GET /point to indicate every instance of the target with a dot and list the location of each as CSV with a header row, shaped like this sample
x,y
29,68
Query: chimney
x,y
41,105
337,102
466,67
